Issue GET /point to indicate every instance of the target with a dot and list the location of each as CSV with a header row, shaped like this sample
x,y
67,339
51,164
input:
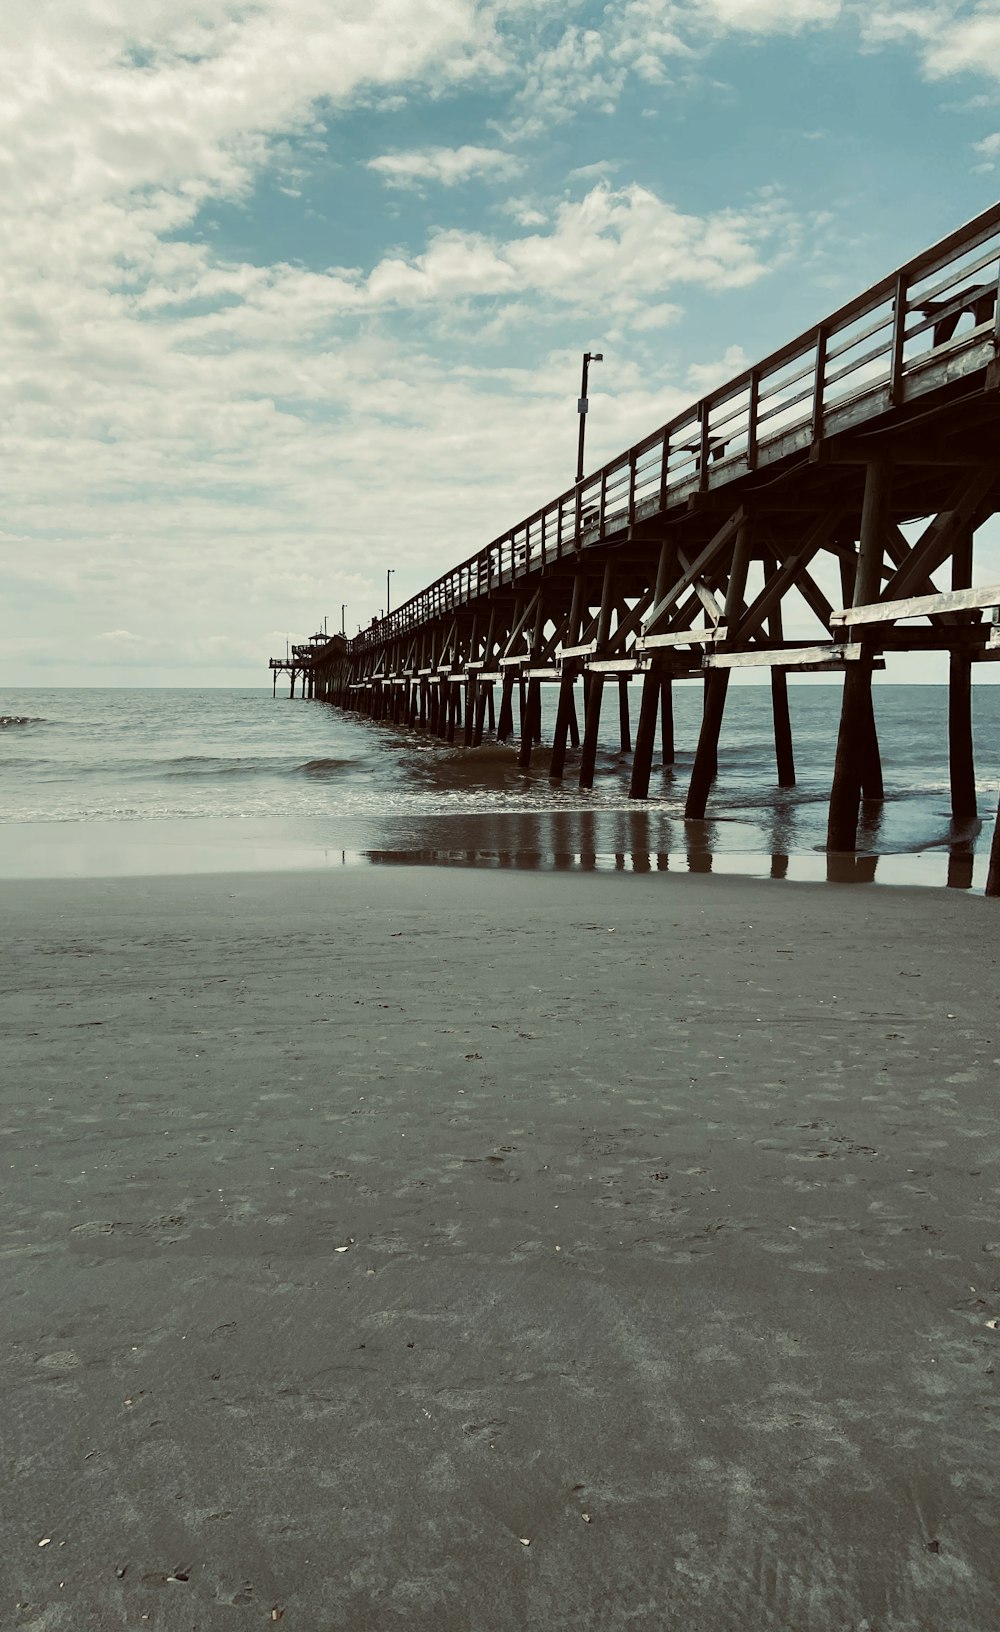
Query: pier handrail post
x,y
899,309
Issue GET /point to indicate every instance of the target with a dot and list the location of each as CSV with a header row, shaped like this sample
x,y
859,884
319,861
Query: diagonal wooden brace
x,y
690,575
937,541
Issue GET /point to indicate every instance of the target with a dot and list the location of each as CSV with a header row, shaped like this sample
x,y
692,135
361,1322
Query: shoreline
x,y
396,1248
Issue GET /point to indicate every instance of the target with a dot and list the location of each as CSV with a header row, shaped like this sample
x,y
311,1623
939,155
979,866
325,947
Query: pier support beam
x,y
993,876
594,685
961,755
657,693
667,750
852,747
471,710
531,714
645,737
706,760
964,805
591,727
857,765
531,696
485,696
505,722
624,721
565,709
783,754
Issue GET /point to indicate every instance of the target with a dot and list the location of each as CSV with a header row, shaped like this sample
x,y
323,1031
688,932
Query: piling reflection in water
x,y
645,841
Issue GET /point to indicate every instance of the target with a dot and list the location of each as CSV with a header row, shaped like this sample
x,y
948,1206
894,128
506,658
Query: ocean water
x,y
98,782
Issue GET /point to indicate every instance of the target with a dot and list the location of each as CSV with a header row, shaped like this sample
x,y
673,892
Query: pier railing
x,y
930,323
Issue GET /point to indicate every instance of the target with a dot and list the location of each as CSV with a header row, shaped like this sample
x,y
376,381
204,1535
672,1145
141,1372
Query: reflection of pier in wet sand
x,y
645,841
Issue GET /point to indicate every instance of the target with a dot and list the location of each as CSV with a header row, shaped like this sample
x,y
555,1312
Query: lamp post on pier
x,y
343,616
582,406
388,574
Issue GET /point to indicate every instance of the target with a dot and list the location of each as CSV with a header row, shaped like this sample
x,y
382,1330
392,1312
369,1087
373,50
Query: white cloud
x,y
602,170
447,165
122,638
948,36
989,152
658,316
587,68
616,246
771,16
702,377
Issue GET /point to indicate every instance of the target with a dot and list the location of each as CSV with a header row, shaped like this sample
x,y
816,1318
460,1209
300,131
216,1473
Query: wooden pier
x,y
680,558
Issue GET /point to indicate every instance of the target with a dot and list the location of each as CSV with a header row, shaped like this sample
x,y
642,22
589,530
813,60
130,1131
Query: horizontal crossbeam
x,y
918,606
786,657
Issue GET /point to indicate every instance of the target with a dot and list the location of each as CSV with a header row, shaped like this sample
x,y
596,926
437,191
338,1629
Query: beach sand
x,y
452,1250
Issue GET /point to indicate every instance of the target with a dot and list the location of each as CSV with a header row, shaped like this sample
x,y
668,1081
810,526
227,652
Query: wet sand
x,y
449,1251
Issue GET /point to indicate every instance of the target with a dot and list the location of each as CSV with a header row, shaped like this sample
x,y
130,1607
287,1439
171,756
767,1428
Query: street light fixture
x,y
582,406
388,574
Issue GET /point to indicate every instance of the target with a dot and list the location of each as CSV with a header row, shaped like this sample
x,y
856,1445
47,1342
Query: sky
x,y
295,292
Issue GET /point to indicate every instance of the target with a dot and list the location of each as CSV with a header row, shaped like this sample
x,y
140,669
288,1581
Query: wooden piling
x,y
624,721
993,876
706,761
645,737
872,785
657,693
961,753
783,751
591,727
564,709
667,750
485,696
961,864
574,724
505,722
857,745
531,709
471,705
594,683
